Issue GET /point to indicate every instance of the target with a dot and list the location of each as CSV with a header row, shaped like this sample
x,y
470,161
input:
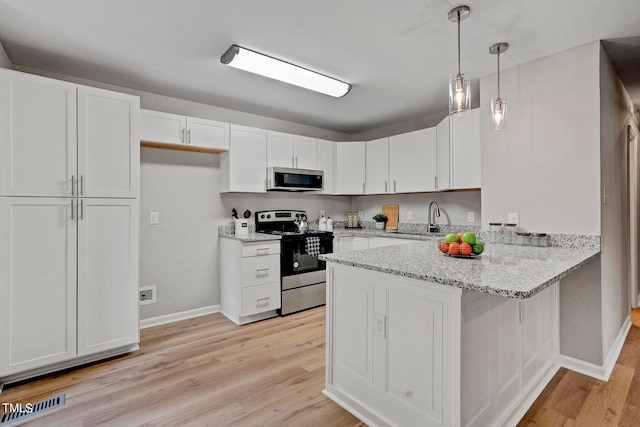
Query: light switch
x,y
154,218
513,218
471,216
409,216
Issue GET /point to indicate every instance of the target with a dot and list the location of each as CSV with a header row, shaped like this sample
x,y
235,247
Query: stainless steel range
x,y
303,275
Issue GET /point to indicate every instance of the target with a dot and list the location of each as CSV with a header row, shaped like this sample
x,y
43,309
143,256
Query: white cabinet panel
x,y
304,152
37,135
37,283
244,167
258,270
465,150
377,166
413,160
350,167
443,153
165,128
207,133
326,159
260,298
174,129
280,149
108,148
107,274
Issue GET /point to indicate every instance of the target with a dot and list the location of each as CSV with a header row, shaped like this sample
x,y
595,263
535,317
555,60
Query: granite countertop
x,y
369,232
251,237
506,270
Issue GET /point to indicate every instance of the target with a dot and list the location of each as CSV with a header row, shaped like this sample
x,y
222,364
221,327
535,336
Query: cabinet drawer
x,y
257,299
260,248
260,269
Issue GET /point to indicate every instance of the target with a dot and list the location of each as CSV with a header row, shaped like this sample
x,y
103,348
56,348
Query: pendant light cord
x,y
498,73
458,42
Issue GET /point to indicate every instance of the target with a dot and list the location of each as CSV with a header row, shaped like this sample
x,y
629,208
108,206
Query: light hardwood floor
x,y
209,372
201,372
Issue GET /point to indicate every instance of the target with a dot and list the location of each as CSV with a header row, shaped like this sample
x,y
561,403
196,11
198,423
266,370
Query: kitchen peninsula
x,y
415,337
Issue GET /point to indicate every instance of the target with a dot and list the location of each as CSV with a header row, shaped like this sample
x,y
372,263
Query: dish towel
x,y
312,246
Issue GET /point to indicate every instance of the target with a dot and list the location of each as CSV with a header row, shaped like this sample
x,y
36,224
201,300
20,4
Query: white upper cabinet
x,y
350,167
59,139
377,166
412,161
244,167
465,149
290,151
108,148
38,139
443,153
326,159
190,132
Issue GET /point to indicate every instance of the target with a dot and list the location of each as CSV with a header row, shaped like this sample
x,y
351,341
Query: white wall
x,y
4,59
453,206
617,111
546,164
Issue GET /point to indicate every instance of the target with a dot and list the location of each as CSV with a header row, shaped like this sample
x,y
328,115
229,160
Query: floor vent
x,y
28,410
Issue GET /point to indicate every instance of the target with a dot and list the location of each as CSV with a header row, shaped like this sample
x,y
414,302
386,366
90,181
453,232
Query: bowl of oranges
x,y
461,245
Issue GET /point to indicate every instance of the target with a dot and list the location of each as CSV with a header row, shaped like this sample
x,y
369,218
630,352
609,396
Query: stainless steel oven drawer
x,y
302,298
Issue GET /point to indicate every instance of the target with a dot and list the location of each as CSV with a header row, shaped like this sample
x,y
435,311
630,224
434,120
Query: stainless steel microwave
x,y
289,179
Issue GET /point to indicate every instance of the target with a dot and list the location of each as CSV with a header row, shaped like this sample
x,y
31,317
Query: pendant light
x,y
498,105
459,88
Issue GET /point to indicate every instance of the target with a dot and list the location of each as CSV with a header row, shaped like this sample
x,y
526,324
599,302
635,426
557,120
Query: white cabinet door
x,y
204,133
107,274
37,135
37,283
465,149
443,152
377,166
326,158
280,150
164,128
412,161
350,167
360,243
108,147
244,167
304,152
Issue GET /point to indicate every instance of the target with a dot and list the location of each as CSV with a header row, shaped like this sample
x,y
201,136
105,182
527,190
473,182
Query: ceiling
x,y
396,54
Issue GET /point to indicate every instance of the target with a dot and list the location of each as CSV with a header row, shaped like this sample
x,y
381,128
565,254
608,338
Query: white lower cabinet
x,y
249,279
406,352
356,243
68,279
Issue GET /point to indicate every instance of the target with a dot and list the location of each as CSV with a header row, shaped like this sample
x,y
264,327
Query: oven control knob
x,y
262,216
295,264
269,216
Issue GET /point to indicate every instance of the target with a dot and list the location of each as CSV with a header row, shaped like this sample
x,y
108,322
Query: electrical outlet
x,y
471,216
322,212
154,218
409,216
513,218
379,324
148,295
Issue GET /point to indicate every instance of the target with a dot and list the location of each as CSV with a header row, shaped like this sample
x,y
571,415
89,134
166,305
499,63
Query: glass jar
x,y
509,233
523,238
539,239
495,231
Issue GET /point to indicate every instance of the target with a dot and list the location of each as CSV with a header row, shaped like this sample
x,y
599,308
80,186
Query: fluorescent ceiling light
x,y
267,66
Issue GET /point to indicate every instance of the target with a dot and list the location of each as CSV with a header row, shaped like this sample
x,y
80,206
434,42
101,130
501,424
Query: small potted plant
x,y
380,220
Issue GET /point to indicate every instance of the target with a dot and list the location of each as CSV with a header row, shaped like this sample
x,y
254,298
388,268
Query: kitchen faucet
x,y
433,228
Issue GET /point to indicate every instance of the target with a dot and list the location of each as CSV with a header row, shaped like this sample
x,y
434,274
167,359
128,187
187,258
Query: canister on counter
x,y
523,238
539,239
509,233
495,231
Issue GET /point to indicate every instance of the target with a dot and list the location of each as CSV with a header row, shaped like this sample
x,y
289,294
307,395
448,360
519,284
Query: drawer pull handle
x,y
263,301
266,270
262,251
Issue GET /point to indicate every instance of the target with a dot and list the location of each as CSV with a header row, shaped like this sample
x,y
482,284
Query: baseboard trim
x,y
181,315
596,371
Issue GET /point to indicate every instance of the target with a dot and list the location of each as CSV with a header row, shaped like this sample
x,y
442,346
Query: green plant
x,y
380,217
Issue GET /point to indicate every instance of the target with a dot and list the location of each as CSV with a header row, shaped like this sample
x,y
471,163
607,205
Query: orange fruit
x,y
454,248
444,247
465,248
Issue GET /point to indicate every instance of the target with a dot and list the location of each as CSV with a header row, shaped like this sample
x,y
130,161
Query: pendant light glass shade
x,y
459,94
498,105
459,87
498,113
